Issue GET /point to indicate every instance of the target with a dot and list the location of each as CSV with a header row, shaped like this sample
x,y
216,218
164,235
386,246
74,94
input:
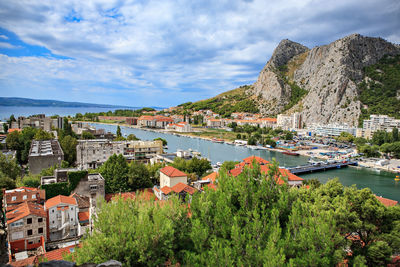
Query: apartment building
x,y
40,121
17,196
44,154
92,186
182,127
26,227
93,153
62,212
380,122
333,129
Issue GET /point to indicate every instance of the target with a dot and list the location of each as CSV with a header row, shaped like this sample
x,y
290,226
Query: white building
x,y
63,218
284,121
182,127
380,122
91,154
333,130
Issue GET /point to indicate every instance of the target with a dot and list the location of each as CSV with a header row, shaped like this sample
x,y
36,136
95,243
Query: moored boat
x,y
291,153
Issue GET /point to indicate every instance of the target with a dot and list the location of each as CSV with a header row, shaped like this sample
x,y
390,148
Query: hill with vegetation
x,y
236,100
380,89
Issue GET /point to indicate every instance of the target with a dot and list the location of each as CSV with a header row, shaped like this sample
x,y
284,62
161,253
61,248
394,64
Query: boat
x,y
397,178
291,153
215,140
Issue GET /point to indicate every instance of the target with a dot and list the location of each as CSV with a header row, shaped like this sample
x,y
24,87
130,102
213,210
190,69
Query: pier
x,y
317,167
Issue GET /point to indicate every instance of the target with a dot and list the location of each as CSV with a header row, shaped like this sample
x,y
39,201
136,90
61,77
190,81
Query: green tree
x,y
115,172
136,233
345,137
138,176
43,135
154,171
87,135
288,135
132,137
119,134
229,165
395,135
161,139
9,167
68,145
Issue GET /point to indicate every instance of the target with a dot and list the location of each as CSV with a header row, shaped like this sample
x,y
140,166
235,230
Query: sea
x,y
6,112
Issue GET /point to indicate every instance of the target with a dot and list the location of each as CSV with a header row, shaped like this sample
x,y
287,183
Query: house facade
x,y
62,216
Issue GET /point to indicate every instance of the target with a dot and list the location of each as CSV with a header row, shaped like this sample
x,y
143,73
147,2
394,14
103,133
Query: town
x,y
49,215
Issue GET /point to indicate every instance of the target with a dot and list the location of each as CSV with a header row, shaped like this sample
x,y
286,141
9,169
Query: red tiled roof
x,y
57,254
269,119
25,262
172,172
83,216
212,186
166,190
212,176
13,130
25,209
146,117
60,199
146,193
387,202
179,187
249,160
19,194
236,172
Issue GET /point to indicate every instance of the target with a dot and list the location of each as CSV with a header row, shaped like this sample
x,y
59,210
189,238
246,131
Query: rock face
x,y
329,73
269,85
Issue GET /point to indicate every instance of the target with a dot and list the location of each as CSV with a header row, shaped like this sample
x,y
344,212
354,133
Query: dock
x,y
320,167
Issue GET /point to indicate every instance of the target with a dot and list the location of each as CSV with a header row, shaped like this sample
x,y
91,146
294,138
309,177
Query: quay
x,y
316,167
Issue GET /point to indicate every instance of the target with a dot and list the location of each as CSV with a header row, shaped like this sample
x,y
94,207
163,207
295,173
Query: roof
x,y
145,193
179,187
166,190
58,253
83,201
83,216
387,202
13,130
212,186
23,210
146,117
24,262
269,119
172,172
19,194
212,176
60,199
249,160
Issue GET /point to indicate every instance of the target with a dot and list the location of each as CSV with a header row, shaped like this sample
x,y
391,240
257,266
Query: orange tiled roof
x,y
25,209
387,202
172,172
19,194
147,194
249,160
60,199
13,130
25,262
212,176
166,190
83,216
269,119
179,187
146,117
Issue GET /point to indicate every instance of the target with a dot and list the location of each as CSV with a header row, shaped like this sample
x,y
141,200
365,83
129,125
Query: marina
x,y
381,183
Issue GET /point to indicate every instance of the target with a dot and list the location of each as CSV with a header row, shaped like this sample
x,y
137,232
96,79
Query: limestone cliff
x,y
328,73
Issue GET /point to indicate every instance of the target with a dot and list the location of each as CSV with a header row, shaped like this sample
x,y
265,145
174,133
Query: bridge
x,y
316,167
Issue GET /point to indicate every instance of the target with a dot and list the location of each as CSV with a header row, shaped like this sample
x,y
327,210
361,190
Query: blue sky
x,y
163,53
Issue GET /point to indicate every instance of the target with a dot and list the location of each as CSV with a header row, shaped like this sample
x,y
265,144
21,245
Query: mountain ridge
x,y
30,102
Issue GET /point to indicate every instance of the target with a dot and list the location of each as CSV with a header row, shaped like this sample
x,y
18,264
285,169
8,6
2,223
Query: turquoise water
x,y
381,183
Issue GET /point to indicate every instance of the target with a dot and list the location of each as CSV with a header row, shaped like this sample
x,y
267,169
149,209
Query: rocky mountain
x,y
321,83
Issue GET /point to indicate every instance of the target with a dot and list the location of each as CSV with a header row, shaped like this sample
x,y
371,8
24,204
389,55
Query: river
x,y
381,183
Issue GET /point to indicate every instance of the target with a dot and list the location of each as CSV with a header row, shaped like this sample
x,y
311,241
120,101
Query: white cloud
x,y
7,45
175,46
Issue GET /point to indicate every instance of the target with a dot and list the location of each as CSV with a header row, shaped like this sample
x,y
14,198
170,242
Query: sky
x,y
164,53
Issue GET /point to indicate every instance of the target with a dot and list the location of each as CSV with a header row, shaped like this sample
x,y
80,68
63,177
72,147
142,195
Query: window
x,y
40,220
30,232
52,211
33,196
13,198
72,208
40,231
24,197
53,222
30,242
93,187
29,221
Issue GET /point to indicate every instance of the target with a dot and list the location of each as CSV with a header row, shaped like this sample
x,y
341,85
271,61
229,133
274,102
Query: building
x,y
92,186
215,123
292,180
284,121
40,121
297,121
93,153
377,123
170,176
44,154
131,120
268,122
60,176
62,212
26,227
182,127
17,196
333,130
181,189
157,121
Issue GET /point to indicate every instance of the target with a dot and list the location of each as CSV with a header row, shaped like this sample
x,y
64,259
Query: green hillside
x,y
236,100
380,90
